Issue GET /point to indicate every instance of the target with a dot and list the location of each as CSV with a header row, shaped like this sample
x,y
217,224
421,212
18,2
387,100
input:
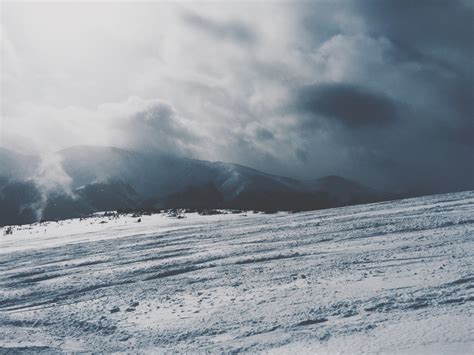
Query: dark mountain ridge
x,y
107,178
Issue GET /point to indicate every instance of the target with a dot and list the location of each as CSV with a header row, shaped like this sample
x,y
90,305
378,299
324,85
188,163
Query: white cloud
x,y
81,64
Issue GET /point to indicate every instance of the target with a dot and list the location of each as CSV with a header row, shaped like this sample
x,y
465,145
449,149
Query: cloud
x,y
379,91
264,134
348,104
437,29
157,127
50,178
235,31
301,155
136,123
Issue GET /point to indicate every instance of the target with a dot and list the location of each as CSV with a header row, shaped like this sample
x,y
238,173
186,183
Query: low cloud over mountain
x,y
376,91
92,179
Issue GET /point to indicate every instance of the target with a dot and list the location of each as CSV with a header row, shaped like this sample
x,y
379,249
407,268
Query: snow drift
x,y
394,277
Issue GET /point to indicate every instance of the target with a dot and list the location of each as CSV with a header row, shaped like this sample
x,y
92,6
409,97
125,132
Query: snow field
x,y
393,277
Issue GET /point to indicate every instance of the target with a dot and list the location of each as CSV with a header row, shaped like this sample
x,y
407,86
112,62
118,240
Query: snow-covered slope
x,y
392,277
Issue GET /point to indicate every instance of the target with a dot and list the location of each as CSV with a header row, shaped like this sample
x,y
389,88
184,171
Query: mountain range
x,y
81,180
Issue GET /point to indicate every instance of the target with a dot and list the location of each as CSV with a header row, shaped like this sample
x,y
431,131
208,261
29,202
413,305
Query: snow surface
x,y
392,278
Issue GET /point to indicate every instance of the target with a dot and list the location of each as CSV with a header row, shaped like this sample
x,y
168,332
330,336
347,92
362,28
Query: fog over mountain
x,y
81,180
378,92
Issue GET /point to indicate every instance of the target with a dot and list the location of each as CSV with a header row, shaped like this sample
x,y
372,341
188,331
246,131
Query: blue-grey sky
x,y
378,91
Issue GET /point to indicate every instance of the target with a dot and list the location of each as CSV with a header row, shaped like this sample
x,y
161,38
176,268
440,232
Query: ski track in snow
x,y
393,277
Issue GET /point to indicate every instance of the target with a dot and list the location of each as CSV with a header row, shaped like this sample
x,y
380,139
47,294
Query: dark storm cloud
x,y
157,127
438,36
438,28
264,134
301,155
406,120
379,91
459,94
459,133
222,30
351,105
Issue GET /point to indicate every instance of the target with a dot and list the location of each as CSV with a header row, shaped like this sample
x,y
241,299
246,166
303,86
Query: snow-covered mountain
x,y
81,180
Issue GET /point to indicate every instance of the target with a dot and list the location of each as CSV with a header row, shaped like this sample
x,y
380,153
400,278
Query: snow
x,y
392,278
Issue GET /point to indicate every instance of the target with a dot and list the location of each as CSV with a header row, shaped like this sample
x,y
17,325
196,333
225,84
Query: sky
x,y
377,91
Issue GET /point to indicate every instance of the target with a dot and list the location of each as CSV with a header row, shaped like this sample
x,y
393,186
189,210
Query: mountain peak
x,y
112,178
